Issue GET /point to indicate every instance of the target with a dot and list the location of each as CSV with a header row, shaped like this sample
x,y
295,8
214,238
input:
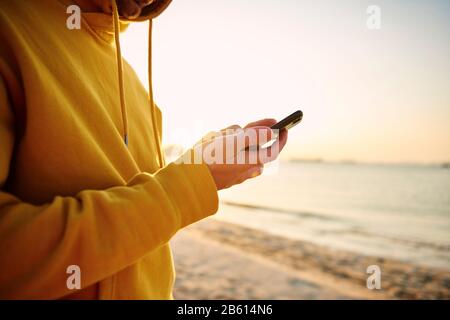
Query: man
x,y
82,177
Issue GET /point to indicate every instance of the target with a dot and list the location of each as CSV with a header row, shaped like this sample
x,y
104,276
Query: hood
x,y
151,11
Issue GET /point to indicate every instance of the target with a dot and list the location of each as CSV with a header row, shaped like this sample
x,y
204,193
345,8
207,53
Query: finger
x,y
252,173
231,128
234,170
245,141
271,153
230,148
214,134
229,175
256,136
209,137
282,139
263,122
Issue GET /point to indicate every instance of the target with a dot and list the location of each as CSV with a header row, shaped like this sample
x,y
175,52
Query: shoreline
x,y
220,260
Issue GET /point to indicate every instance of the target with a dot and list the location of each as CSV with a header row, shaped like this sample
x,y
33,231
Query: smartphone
x,y
289,122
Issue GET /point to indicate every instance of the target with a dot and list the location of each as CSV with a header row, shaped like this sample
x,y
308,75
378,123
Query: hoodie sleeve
x,y
100,231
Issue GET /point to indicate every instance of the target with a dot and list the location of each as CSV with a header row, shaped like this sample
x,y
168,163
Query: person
x,y
84,183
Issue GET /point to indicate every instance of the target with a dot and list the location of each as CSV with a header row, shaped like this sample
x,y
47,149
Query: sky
x,y
367,95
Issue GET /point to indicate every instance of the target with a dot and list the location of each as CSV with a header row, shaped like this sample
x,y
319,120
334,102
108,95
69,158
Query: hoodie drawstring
x,y
121,83
150,93
123,106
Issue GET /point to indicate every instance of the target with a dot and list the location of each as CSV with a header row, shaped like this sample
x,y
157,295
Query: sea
x,y
384,210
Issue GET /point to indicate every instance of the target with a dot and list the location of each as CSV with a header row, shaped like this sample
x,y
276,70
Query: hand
x,y
230,172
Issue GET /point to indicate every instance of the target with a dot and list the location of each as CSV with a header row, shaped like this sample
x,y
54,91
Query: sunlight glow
x,y
367,95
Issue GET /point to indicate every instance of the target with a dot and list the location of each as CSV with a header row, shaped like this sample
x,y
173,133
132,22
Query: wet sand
x,y
219,260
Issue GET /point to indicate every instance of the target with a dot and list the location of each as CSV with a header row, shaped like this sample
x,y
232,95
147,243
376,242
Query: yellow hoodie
x,y
72,192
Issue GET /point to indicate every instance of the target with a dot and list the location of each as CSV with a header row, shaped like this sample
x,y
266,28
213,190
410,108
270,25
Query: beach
x,y
220,260
311,230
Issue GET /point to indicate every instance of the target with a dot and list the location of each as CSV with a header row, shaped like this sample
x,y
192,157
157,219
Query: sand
x,y
219,260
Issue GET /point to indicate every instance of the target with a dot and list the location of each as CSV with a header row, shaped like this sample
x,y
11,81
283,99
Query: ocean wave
x,y
351,230
308,215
